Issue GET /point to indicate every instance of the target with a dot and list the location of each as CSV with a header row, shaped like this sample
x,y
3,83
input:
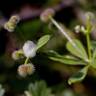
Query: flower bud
x,y
11,24
90,21
18,54
45,16
14,19
29,49
77,28
89,15
26,69
83,29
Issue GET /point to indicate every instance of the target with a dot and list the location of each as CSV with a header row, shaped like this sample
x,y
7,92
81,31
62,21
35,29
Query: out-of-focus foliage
x,y
2,91
39,89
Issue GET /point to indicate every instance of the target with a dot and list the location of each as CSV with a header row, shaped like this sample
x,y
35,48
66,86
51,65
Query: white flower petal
x,y
29,49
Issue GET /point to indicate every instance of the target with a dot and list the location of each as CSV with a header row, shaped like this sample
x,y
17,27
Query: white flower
x,y
29,49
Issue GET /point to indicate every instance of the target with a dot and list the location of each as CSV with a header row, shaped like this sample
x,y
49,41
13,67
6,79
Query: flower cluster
x,y
29,51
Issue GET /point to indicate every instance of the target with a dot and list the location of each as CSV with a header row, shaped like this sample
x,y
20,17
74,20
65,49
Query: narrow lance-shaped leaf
x,y
67,59
78,51
79,76
93,64
42,41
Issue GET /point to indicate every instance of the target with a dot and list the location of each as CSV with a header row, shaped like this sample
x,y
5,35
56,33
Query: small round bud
x,y
83,29
91,19
14,19
11,24
45,16
26,69
77,28
89,15
29,49
18,54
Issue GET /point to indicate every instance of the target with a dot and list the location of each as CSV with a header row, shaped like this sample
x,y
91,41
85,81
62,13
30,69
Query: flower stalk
x,y
88,30
26,61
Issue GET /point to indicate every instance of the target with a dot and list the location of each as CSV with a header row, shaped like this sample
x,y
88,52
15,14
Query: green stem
x,y
26,61
88,38
88,46
62,31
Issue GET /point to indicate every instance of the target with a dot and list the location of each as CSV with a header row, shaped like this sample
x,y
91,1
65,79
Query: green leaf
x,y
77,50
93,45
53,53
93,64
94,54
42,41
67,59
79,76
